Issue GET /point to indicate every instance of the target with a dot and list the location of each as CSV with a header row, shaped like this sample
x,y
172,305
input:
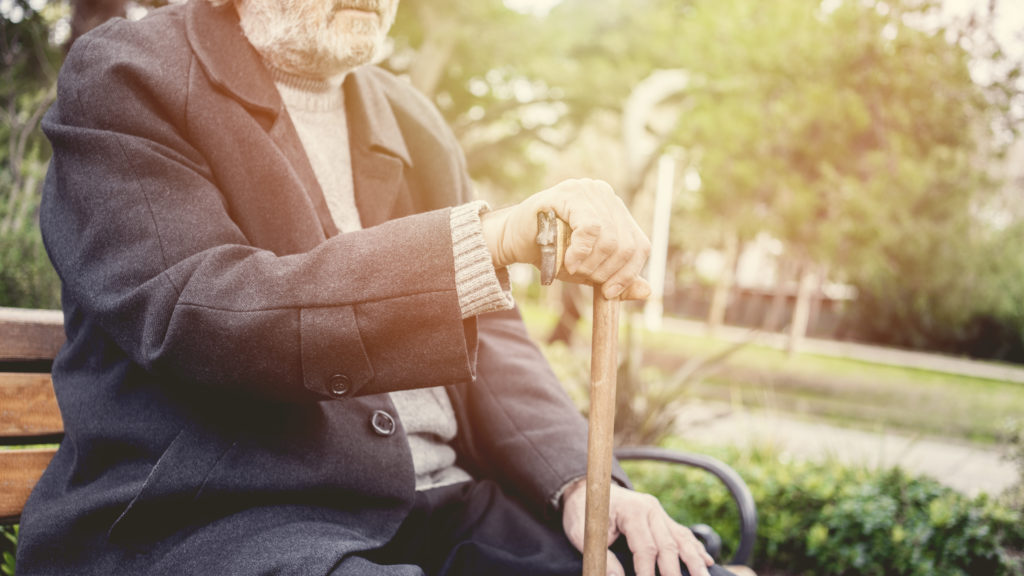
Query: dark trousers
x,y
474,529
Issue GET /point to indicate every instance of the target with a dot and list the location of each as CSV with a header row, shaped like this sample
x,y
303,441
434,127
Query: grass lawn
x,y
839,391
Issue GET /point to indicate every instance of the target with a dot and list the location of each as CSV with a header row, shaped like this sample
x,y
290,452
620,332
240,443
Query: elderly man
x,y
290,345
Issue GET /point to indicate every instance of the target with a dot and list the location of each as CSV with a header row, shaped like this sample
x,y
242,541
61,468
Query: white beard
x,y
317,38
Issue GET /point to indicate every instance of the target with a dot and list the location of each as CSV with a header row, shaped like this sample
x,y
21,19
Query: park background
x,y
835,190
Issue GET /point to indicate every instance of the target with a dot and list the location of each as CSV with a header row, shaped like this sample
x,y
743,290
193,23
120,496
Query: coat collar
x,y
375,137
230,62
233,65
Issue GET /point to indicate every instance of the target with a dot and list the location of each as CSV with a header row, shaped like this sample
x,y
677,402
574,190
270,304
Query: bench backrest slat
x,y
28,408
29,340
19,472
27,335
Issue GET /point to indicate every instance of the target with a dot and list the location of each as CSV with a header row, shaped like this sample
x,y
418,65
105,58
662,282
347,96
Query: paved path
x,y
863,352
968,468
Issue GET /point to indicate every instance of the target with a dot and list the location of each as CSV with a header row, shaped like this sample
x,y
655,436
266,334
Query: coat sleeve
x,y
148,253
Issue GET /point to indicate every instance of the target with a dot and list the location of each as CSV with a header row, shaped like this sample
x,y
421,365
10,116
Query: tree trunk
x,y
18,219
801,311
817,299
723,288
88,14
778,305
434,54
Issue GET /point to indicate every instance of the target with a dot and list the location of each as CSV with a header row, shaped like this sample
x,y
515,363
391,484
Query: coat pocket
x,y
166,503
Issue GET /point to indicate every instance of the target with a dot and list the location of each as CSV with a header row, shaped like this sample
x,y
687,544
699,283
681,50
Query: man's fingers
x,y
645,551
582,246
606,245
691,551
640,289
669,550
613,566
627,283
615,266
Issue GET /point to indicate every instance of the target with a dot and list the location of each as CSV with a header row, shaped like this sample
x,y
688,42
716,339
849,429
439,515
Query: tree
x,y
855,153
30,62
518,88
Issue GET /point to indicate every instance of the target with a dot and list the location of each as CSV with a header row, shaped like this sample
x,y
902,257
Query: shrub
x,y
1014,496
826,518
27,280
8,539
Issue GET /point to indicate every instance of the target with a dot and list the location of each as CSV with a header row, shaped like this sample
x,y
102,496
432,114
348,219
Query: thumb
x,y
573,525
575,535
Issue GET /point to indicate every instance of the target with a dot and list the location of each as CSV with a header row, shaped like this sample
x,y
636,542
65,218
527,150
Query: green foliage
x,y
827,518
27,280
1014,496
517,88
26,91
8,541
647,399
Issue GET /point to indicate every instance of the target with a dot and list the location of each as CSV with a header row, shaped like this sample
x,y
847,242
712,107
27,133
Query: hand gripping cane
x,y
552,237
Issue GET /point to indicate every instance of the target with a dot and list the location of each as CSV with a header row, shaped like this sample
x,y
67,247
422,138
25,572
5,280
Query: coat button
x,y
383,423
339,385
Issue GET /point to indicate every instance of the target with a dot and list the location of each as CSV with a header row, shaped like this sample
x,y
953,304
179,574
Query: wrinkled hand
x,y
654,538
606,246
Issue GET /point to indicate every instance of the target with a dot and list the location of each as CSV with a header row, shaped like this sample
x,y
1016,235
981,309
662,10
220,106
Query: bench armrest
x,y
737,488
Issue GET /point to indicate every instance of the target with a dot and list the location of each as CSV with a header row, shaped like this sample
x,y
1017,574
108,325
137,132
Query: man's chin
x,y
353,52
355,15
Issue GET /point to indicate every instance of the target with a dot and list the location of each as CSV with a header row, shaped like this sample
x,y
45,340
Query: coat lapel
x,y
379,153
233,64
230,62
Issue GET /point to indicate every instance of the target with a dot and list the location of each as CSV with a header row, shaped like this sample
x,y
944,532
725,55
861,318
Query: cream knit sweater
x,y
317,109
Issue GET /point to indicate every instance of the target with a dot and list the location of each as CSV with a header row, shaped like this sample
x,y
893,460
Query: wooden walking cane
x,y
552,238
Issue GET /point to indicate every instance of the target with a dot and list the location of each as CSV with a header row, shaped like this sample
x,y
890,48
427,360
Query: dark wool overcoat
x,y
227,349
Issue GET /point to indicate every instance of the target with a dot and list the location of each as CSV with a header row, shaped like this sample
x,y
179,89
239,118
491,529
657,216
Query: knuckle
x,y
606,246
647,549
589,231
583,249
626,246
682,532
650,501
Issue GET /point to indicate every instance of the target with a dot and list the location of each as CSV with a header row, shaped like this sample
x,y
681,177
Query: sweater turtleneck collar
x,y
310,94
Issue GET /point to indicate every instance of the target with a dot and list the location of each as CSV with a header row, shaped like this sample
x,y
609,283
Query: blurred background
x,y
835,194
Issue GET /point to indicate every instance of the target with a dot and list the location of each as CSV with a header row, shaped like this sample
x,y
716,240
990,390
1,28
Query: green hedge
x,y
829,519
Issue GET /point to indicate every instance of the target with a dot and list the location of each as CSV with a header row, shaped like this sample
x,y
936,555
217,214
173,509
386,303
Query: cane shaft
x,y
603,368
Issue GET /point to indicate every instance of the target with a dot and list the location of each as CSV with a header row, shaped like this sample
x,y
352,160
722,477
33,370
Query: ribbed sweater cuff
x,y
480,287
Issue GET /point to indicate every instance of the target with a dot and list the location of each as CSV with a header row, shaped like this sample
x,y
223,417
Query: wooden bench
x,y
30,425
29,417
